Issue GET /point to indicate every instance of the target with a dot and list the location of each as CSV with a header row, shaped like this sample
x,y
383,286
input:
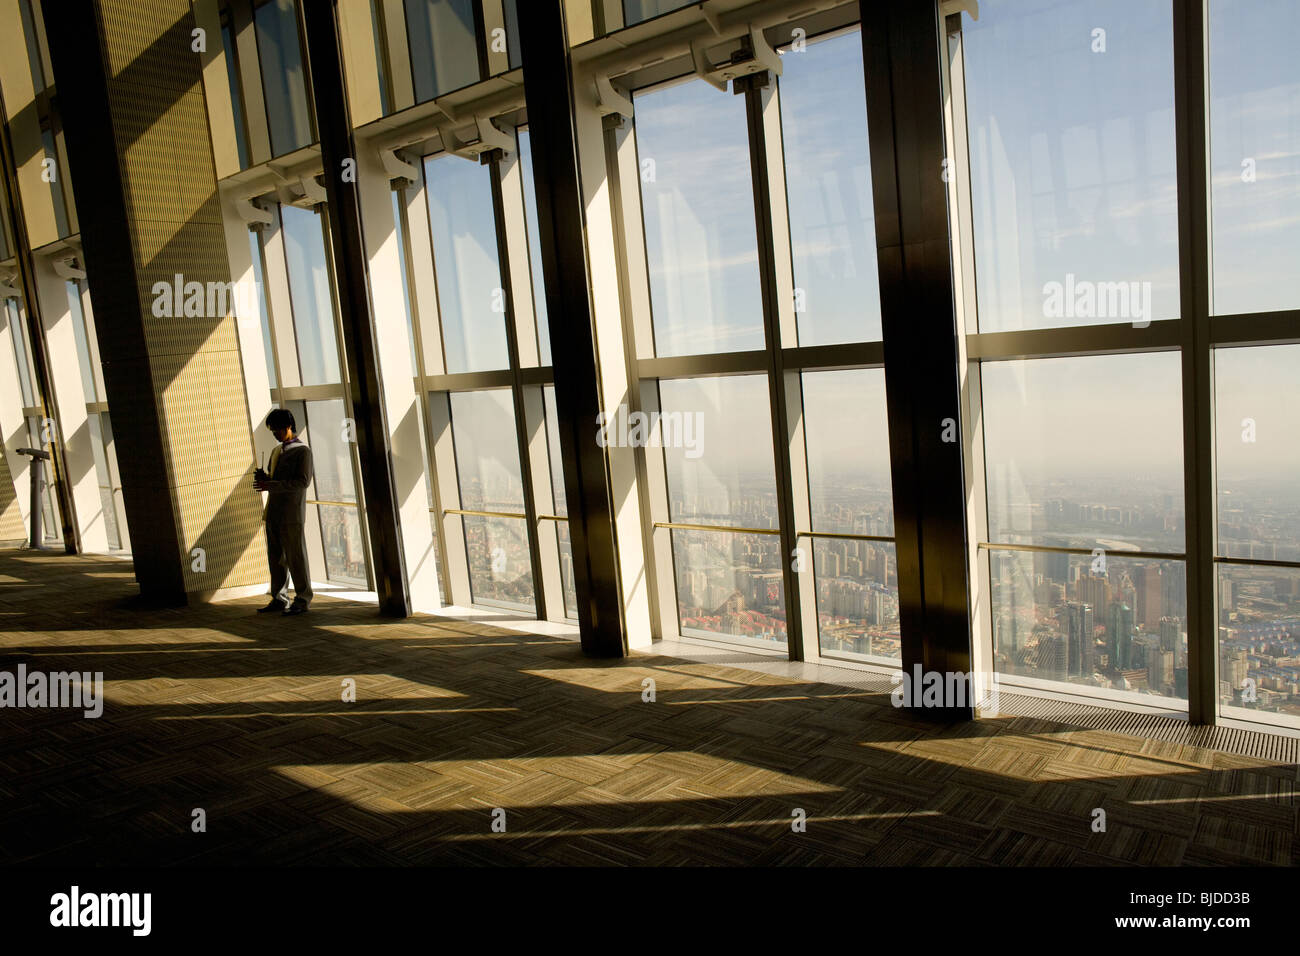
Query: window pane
x,y
1259,639
444,46
1257,404
698,205
500,566
255,254
283,79
104,480
33,45
236,97
1085,452
570,586
857,598
487,451
21,355
56,182
534,248
333,481
717,450
634,11
1074,190
553,450
828,187
470,296
51,525
511,10
85,357
730,584
310,295
399,234
1064,618
846,434
1255,154
847,439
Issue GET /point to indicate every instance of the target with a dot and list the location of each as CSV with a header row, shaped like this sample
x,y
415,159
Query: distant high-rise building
x,y
1148,583
1080,625
1119,636
1160,670
1053,657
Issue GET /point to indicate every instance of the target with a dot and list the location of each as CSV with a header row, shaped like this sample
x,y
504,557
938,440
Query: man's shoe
x,y
275,605
295,608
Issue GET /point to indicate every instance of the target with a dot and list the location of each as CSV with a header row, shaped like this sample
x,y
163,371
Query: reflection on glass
x,y
730,584
1070,108
565,545
553,450
236,97
1257,407
634,11
255,255
399,235
1259,643
534,247
86,350
846,435
328,436
500,564
345,554
698,205
310,296
487,451
471,298
1120,625
444,46
1085,452
717,446
284,81
857,598
1254,155
511,10
33,45
56,182
21,356
828,187
98,449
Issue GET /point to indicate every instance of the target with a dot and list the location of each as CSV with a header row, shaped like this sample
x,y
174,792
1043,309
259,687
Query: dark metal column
x,y
905,119
1191,134
36,336
348,253
776,372
547,88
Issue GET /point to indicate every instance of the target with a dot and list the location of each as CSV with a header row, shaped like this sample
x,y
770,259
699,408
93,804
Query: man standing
x,y
286,512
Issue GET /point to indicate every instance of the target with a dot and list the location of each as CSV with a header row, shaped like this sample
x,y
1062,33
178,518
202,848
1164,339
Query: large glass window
x,y
847,438
720,473
1254,155
471,299
534,248
22,356
1257,404
328,432
284,77
634,11
1084,471
311,295
487,466
1070,109
236,90
828,188
698,205
444,46
563,543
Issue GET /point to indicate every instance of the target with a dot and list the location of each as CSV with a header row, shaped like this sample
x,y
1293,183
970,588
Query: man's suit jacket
x,y
291,472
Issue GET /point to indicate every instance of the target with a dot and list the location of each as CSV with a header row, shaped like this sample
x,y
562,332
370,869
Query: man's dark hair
x,y
281,418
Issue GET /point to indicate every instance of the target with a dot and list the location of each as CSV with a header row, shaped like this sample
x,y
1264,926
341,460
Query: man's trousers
x,y
286,552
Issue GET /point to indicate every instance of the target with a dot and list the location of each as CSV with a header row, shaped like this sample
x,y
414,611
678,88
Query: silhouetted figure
x,y
286,481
